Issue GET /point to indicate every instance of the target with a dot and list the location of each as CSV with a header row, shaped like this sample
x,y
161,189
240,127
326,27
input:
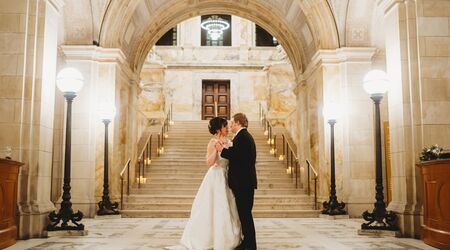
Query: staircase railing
x,y
145,155
311,168
125,168
288,155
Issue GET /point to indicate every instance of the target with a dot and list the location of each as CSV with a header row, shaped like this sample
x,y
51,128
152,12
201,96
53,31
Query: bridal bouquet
x,y
431,153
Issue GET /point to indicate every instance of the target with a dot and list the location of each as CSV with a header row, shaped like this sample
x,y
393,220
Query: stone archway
x,y
301,27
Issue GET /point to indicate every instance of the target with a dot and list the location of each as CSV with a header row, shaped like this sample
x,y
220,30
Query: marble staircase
x,y
174,177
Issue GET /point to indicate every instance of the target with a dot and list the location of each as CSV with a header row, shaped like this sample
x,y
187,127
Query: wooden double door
x,y
215,99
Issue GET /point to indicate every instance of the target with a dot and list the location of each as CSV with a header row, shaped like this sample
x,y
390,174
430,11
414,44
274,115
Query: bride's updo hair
x,y
216,123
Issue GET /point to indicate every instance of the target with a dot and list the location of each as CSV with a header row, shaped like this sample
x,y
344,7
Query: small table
x,y
9,171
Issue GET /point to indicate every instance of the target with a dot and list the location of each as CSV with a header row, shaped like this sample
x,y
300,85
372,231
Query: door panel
x,y
215,98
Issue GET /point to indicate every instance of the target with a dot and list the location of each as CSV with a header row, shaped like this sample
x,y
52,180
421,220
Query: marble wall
x,y
434,51
417,62
27,90
416,57
173,75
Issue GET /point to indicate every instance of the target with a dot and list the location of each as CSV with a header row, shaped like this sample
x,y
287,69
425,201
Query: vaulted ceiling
x,y
134,26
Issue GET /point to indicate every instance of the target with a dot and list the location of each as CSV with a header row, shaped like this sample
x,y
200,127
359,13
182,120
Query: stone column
x,y
335,76
417,54
107,79
28,55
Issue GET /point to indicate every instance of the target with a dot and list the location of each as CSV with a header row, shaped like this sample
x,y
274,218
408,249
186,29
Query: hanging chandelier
x,y
215,26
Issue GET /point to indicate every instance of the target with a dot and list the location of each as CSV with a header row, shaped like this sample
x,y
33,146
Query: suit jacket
x,y
242,159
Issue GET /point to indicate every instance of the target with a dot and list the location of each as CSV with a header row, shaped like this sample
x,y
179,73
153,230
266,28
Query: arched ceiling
x,y
301,26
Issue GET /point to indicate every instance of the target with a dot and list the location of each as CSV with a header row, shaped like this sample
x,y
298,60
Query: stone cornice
x,y
338,56
386,5
215,66
92,53
99,54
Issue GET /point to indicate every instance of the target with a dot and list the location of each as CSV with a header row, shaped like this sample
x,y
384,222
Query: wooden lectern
x,y
9,171
436,202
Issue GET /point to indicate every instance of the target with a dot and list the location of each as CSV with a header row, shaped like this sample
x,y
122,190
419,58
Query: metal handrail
x,y
316,176
292,161
126,167
145,155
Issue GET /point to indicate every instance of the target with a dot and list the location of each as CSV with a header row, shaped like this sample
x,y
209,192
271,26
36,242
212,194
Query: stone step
x,y
261,171
202,150
177,185
259,198
173,178
188,206
201,175
177,179
197,145
203,135
201,164
190,136
202,160
194,191
186,213
203,168
202,157
172,171
202,153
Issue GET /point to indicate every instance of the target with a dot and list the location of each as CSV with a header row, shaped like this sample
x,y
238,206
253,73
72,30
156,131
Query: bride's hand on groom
x,y
219,146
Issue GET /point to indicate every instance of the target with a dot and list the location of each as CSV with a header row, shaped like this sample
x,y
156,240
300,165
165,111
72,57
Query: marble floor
x,y
304,233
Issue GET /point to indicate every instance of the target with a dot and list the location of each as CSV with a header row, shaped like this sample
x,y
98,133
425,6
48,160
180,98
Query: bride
x,y
214,222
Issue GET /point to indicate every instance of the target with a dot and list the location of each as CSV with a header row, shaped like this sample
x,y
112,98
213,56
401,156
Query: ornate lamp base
x,y
380,220
108,208
65,216
333,208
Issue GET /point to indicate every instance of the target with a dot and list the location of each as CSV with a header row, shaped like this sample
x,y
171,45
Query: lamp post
x,y
376,83
107,113
332,206
69,81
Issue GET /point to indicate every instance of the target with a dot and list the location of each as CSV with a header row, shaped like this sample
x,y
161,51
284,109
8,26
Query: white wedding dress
x,y
214,222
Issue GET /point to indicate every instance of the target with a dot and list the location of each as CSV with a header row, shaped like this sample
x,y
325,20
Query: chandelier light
x,y
215,26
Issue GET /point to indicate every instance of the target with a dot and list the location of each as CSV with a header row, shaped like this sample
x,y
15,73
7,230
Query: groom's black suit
x,y
242,180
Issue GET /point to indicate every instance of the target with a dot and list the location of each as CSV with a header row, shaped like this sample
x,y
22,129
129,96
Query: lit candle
x,y
289,170
141,179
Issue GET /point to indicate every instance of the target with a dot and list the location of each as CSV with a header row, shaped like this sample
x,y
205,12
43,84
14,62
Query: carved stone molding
x,y
386,5
99,54
342,55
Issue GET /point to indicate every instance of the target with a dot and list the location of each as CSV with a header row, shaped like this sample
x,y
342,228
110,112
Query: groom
x,y
242,176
